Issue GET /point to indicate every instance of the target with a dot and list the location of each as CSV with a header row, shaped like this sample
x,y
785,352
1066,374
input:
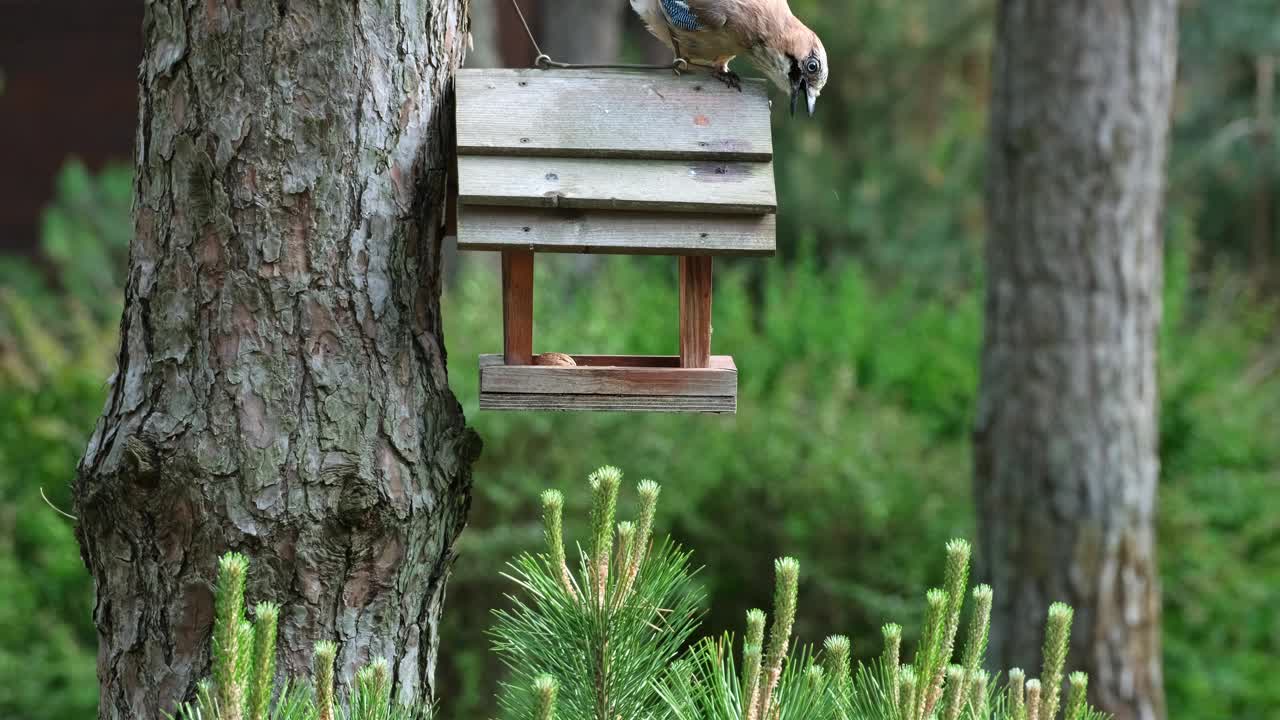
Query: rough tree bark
x,y
1066,436
281,385
583,31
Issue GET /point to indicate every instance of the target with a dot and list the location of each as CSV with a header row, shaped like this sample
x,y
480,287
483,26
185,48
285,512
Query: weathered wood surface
x,y
611,114
587,380
618,232
605,382
718,362
667,185
517,307
605,403
695,312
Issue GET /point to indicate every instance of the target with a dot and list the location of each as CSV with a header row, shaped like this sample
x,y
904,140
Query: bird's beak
x,y
802,89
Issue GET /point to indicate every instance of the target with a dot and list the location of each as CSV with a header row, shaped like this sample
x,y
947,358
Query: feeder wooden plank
x,y
605,403
605,382
617,114
538,380
718,362
668,185
605,231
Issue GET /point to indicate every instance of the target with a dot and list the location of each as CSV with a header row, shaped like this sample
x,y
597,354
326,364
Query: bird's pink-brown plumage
x,y
765,31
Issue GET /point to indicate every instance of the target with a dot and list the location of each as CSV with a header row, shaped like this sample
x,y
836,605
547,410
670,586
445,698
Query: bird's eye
x,y
811,67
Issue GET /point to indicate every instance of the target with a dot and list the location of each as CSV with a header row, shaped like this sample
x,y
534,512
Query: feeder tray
x,y
614,162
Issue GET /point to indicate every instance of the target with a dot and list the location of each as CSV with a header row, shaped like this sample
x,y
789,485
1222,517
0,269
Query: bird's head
x,y
796,61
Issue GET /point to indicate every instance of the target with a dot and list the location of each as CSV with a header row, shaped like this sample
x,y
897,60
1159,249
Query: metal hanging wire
x,y
544,62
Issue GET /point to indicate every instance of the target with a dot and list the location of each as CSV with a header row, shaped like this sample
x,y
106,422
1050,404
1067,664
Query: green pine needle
x,y
1017,702
835,655
323,659
604,505
1076,704
544,697
233,569
262,685
785,595
979,631
1057,640
603,656
954,692
890,659
1033,700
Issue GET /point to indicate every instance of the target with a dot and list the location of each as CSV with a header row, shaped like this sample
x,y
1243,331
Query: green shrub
x,y
244,686
850,451
57,347
605,642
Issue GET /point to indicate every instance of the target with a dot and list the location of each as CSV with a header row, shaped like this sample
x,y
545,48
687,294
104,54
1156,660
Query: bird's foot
x,y
728,77
679,66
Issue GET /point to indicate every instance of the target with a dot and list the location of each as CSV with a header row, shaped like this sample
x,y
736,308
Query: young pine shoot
x,y
604,634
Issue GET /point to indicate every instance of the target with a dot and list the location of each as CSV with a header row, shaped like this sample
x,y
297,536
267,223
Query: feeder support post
x,y
517,307
695,311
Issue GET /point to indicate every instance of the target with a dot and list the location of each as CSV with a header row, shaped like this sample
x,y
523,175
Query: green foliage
x,y
243,683
705,685
850,449
1226,162
600,636
891,167
57,345
858,351
824,453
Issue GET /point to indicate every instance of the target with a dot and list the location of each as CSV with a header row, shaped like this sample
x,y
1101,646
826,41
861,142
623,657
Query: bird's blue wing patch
x,y
680,15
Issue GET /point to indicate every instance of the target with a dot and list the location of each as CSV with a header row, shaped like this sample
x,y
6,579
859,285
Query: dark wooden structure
x,y
56,60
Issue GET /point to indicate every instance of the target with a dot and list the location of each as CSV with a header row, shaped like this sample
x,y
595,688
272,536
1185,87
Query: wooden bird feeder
x,y
648,163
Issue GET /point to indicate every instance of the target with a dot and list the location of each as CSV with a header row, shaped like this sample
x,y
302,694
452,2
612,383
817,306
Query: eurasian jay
x,y
713,32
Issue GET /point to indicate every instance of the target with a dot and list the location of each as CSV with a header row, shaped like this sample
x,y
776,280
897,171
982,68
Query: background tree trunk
x,y
281,386
1066,438
583,31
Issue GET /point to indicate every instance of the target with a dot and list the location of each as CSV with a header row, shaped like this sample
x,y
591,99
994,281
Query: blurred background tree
x,y
1065,438
859,352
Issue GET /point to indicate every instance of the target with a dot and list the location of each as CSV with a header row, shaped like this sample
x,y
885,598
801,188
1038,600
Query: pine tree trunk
x,y
583,31
281,387
1066,439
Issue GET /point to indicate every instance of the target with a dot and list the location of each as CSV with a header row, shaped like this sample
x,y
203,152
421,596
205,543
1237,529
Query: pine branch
x,y
606,644
1057,639
752,660
266,616
544,692
929,654
325,655
1076,703
1033,700
604,505
889,661
835,654
954,697
957,582
233,569
786,591
979,631
1017,702
552,512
